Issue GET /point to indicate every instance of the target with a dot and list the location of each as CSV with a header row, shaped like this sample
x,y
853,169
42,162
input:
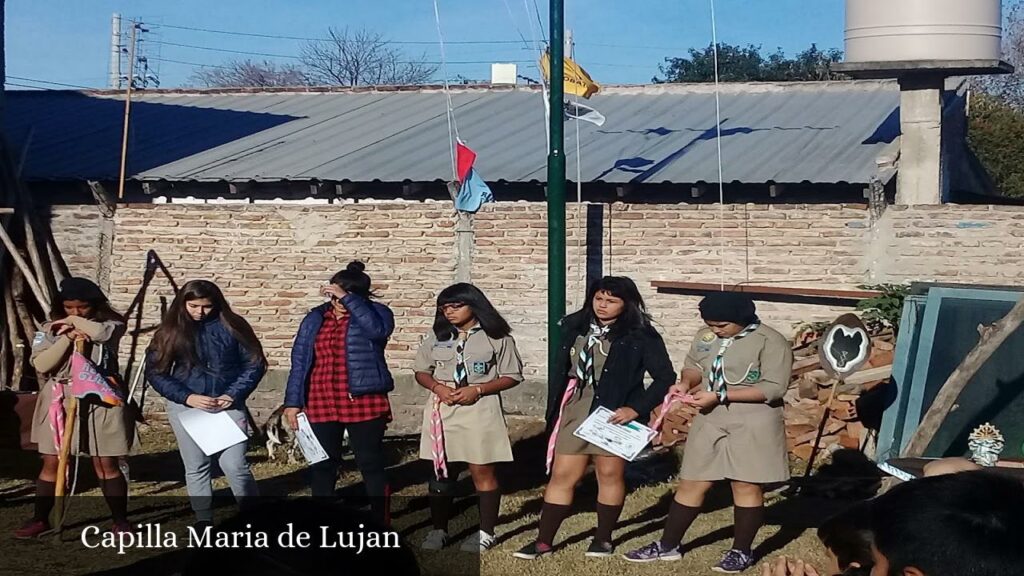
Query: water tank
x,y
915,30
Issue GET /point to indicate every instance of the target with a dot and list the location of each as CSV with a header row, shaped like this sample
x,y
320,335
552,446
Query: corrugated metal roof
x,y
786,133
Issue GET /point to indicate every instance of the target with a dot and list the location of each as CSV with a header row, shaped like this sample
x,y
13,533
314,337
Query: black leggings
x,y
367,442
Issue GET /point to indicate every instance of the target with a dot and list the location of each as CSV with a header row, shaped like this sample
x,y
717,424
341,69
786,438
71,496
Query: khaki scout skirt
x,y
745,442
476,434
108,431
575,412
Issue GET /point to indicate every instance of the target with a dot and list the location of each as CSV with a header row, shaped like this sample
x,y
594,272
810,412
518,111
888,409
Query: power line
x,y
313,39
38,81
228,50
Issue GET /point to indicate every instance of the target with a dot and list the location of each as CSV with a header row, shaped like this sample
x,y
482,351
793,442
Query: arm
x,y
253,370
378,323
659,366
168,386
423,366
50,354
509,371
302,350
776,371
100,332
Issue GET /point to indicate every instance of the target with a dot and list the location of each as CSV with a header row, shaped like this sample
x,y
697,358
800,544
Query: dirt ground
x,y
157,473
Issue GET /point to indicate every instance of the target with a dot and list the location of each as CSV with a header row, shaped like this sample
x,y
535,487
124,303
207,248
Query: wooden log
x,y
44,302
17,367
880,358
991,338
806,365
41,270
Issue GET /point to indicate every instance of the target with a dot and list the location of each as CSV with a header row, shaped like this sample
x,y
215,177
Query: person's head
x,y
198,301
727,313
82,297
967,524
462,305
614,301
847,539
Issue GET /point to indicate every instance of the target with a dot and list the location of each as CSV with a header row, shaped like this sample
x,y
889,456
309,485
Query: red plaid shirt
x,y
329,399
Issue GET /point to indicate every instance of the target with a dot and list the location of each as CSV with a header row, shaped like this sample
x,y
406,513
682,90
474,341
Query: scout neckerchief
x,y
461,376
716,381
584,376
585,365
461,373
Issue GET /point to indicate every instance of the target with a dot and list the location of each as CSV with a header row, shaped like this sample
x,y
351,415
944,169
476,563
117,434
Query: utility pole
x,y
556,186
115,52
127,108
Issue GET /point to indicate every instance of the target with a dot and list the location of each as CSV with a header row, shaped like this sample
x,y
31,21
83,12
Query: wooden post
x,y
821,427
127,109
65,452
25,270
991,338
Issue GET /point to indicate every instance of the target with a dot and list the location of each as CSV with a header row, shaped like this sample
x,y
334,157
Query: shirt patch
x,y
38,339
703,348
753,375
479,368
708,337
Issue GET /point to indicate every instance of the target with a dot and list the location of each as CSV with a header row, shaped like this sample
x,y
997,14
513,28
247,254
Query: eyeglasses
x,y
453,307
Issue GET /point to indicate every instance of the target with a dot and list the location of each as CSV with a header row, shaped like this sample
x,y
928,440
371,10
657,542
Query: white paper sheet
x,y
308,443
624,440
212,431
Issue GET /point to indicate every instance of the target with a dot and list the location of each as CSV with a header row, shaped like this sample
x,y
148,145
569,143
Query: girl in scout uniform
x,y
607,348
737,371
465,362
82,313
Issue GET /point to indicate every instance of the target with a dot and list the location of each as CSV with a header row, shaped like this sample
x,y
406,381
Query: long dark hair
x,y
176,338
353,279
462,293
634,314
86,291
848,536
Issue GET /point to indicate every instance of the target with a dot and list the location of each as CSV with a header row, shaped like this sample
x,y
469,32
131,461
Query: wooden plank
x,y
824,296
870,375
806,365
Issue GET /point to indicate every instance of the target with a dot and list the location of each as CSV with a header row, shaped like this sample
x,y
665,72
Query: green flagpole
x,y
556,185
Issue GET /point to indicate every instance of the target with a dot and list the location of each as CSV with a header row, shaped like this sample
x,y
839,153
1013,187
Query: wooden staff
x,y
821,427
65,448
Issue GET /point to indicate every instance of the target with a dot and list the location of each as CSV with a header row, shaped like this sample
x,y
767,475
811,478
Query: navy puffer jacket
x,y
224,367
370,326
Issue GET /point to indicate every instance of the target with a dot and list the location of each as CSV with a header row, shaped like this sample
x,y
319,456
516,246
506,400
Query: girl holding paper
x,y
465,362
82,313
738,371
340,380
607,348
206,357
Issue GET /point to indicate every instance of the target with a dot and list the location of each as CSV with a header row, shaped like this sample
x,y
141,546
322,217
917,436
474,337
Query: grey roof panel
x,y
815,132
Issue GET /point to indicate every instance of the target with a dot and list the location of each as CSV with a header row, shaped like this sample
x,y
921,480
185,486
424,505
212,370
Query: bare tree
x,y
246,73
1010,87
362,58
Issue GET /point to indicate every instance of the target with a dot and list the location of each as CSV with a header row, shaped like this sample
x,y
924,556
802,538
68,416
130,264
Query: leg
x,y
46,488
611,494
489,495
566,471
236,469
949,466
324,475
367,442
683,511
113,485
197,467
749,513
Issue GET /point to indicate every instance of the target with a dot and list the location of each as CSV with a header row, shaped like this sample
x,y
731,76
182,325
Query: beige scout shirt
x,y
763,359
486,358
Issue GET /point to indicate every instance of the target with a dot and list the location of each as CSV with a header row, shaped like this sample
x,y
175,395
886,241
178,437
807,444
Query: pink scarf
x,y
671,399
569,391
57,414
437,440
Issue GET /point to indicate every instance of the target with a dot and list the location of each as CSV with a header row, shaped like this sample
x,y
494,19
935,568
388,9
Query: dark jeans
x,y
367,442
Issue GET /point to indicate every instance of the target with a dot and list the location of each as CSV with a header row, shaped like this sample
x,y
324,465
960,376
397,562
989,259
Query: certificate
x,y
624,440
311,448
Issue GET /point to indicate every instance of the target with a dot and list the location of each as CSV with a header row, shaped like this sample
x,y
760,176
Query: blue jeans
x,y
198,479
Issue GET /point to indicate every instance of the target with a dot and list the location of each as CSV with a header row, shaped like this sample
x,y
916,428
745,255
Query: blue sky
x,y
617,41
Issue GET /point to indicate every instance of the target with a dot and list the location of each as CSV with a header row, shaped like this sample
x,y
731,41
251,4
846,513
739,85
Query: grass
x,y
157,472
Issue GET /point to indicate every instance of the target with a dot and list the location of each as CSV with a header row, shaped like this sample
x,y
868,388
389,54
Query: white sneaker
x,y
478,542
435,540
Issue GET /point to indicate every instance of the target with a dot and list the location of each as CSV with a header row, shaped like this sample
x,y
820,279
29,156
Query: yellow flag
x,y
577,81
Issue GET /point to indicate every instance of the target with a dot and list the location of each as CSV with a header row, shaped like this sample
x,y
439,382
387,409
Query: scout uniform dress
x,y
740,440
477,433
578,407
107,427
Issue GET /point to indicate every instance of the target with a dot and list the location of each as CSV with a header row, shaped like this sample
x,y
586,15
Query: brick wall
x,y
270,259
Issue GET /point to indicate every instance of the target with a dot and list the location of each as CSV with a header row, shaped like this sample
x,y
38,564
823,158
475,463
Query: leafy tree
x,y
748,64
996,134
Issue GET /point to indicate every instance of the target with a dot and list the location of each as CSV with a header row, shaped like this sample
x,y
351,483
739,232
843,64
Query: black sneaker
x,y
532,551
600,549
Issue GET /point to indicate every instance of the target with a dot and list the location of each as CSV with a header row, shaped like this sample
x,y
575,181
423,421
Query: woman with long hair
x,y
466,361
607,348
81,315
206,357
737,371
340,380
